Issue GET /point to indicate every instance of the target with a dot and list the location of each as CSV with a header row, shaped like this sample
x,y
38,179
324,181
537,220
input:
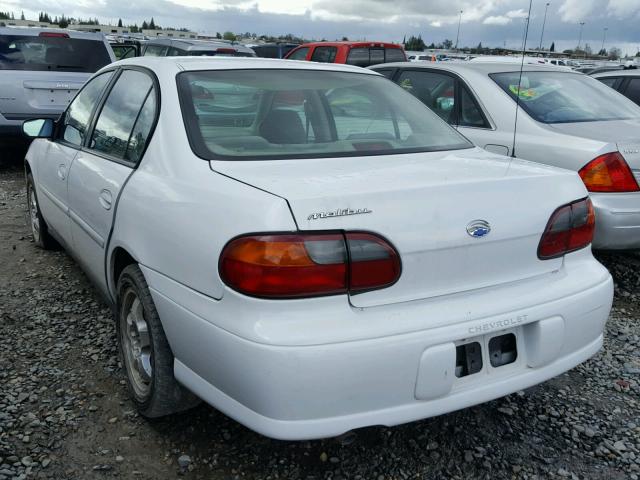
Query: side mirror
x,y
39,128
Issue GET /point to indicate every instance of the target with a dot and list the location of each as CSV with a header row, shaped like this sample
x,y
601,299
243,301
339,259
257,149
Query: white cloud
x,y
576,10
497,20
624,8
520,13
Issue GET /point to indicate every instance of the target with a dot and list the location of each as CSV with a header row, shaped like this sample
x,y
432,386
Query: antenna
x,y
524,51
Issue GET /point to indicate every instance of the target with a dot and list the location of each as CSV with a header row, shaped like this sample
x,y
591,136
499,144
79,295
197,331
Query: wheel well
x,y
27,167
121,258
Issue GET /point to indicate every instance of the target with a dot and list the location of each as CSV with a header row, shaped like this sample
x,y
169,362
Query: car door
x,y
53,168
118,138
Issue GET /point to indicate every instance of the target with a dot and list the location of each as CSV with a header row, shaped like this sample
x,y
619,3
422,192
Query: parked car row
x,y
374,250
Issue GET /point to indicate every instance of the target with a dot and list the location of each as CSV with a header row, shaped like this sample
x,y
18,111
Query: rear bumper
x,y
617,221
320,390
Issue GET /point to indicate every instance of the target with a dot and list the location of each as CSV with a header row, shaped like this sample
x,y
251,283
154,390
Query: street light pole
x,y
604,37
543,23
458,34
580,37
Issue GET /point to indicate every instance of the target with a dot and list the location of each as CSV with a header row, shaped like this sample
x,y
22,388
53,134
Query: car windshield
x,y
274,114
557,97
43,53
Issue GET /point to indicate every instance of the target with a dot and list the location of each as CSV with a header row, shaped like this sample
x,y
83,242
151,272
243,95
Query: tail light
x,y
53,34
608,173
569,229
308,265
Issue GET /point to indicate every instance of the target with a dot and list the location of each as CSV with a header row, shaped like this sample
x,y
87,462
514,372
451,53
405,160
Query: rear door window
x,y
155,51
75,120
470,112
52,53
633,90
613,82
435,90
299,54
175,52
114,128
324,54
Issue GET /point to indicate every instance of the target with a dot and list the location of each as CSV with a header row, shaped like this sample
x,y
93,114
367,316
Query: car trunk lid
x,y
424,205
29,94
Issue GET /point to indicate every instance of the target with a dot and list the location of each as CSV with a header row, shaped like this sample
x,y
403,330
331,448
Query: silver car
x,y
627,82
566,119
41,70
169,47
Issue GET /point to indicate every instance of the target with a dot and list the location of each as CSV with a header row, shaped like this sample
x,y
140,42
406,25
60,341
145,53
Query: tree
x,y
145,25
229,36
614,53
345,39
152,24
63,22
602,52
447,44
553,47
218,36
119,22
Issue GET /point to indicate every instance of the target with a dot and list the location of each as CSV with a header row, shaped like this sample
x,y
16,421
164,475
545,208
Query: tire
x,y
39,230
145,352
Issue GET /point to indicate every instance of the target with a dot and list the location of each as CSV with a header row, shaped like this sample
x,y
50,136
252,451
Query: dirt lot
x,y
65,411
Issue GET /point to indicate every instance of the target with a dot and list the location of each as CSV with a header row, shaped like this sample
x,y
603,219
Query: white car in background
x,y
566,119
310,249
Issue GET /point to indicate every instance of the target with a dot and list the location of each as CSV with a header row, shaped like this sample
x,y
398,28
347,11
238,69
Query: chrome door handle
x,y
105,199
62,171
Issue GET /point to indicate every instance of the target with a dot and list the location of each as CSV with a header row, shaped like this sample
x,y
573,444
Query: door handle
x,y
105,199
62,171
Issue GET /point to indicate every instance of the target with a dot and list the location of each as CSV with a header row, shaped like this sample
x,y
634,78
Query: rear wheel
x,y
39,231
145,352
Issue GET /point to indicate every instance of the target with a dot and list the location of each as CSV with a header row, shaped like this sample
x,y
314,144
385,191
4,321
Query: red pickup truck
x,y
362,54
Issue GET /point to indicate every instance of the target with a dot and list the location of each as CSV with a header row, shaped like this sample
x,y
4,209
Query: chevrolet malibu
x,y
565,119
308,248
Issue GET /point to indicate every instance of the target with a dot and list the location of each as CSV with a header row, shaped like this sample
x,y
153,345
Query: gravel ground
x,y
65,411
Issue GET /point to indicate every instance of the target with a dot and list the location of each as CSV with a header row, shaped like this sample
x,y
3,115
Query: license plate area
x,y
472,355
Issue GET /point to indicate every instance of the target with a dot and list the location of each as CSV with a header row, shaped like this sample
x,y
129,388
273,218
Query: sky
x,y
492,22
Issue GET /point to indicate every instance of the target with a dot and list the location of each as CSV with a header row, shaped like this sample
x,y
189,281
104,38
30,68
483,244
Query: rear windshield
x,y
274,114
21,52
364,57
555,97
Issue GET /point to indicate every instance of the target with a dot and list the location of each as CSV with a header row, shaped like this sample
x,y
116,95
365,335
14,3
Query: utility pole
x,y
543,23
458,34
604,37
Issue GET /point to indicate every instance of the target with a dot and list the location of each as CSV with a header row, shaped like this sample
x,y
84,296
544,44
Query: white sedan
x,y
310,249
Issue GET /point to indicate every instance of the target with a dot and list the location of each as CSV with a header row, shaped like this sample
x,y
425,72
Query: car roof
x,y
476,67
352,44
634,72
35,31
235,63
194,44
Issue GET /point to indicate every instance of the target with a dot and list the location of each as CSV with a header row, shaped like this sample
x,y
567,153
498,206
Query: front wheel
x,y
145,352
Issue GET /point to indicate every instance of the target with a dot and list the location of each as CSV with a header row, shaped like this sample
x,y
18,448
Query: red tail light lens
x,y
53,34
608,173
569,229
308,265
